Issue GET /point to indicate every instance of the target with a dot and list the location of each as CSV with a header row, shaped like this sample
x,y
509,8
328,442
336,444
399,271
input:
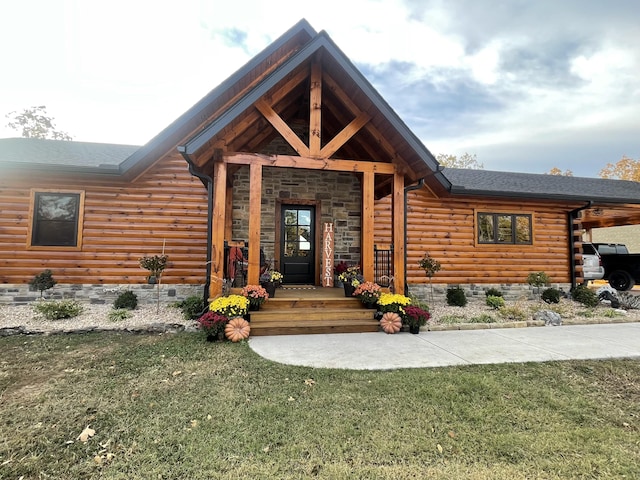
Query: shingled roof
x,y
530,185
87,156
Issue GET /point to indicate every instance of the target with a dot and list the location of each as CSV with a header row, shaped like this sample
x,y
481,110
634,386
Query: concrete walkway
x,y
379,351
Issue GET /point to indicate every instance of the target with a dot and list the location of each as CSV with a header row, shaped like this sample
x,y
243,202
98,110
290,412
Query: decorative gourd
x,y
237,329
391,322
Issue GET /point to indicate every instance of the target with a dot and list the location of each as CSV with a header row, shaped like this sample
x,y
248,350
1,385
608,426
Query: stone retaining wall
x,y
98,294
510,292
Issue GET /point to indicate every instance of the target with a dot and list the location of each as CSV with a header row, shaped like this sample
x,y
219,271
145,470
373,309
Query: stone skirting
x,y
512,292
98,294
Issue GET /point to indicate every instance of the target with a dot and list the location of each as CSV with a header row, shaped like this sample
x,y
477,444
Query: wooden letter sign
x,y
327,255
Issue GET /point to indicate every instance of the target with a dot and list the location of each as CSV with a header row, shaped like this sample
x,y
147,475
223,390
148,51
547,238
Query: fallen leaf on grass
x,y
309,381
86,434
266,449
291,399
439,448
452,434
194,423
176,373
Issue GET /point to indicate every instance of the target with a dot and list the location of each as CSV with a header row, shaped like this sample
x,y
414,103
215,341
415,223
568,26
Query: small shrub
x,y
119,314
126,300
483,318
513,313
493,292
611,313
551,295
495,302
538,279
456,297
585,296
43,281
192,307
58,309
451,319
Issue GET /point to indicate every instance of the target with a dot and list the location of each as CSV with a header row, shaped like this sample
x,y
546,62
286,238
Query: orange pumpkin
x,y
237,329
391,322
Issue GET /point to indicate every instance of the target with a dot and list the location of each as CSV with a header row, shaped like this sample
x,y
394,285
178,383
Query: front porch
x,y
312,310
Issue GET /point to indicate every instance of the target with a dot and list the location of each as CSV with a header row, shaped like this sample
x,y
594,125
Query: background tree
x,y
557,171
465,160
624,169
35,123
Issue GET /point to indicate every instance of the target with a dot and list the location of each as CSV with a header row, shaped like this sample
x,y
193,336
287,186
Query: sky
x,y
523,85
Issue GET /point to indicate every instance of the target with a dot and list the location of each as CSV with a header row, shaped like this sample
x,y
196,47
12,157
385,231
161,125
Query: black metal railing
x,y
236,262
383,266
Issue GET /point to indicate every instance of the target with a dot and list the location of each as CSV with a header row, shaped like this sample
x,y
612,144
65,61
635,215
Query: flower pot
x,y
415,329
348,289
254,306
270,287
152,279
371,305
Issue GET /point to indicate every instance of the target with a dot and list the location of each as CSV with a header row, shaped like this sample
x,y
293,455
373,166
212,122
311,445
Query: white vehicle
x,y
592,268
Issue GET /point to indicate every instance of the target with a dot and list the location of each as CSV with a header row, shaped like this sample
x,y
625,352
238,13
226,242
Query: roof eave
x,y
457,190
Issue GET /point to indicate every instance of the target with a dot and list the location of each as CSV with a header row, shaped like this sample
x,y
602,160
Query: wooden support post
x,y
217,240
398,235
315,109
228,221
367,240
255,205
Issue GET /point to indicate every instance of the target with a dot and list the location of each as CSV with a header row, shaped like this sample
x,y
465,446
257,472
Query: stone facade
x,y
476,292
98,294
339,195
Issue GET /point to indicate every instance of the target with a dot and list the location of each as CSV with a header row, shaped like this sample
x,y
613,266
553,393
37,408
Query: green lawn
x,y
168,407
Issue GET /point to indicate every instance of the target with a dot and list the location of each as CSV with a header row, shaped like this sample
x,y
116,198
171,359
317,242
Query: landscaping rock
x,y
548,317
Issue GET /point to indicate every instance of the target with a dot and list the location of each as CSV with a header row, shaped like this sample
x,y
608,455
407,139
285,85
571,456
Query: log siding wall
x,y
446,229
122,222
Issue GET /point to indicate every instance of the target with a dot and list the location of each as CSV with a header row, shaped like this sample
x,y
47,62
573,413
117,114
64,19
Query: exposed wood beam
x,y
255,205
367,228
282,128
315,110
398,234
343,137
217,250
309,163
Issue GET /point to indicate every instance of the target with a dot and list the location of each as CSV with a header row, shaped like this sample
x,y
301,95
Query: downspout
x,y
208,181
572,217
406,190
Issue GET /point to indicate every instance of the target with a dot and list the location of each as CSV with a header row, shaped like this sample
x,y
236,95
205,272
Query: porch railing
x,y
383,266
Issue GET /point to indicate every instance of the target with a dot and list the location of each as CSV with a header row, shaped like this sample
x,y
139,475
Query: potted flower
x,y
393,302
368,293
270,280
351,278
230,306
213,325
339,269
415,317
256,295
155,264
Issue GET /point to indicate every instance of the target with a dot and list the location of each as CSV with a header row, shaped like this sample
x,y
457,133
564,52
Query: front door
x,y
297,255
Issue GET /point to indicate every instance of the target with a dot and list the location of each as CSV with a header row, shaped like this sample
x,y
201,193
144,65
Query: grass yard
x,y
176,407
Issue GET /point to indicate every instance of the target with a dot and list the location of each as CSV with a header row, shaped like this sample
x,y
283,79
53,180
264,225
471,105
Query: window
x,y
56,219
504,228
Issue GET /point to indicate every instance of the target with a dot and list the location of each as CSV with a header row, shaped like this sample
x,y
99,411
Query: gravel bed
x,y
24,319
95,317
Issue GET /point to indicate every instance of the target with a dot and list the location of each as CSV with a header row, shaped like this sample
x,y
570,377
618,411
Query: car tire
x,y
621,280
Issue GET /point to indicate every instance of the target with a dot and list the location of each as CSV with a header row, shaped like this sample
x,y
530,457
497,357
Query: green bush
x,y
456,297
58,309
493,292
483,318
495,302
126,300
585,296
513,313
551,295
119,314
538,279
192,307
43,281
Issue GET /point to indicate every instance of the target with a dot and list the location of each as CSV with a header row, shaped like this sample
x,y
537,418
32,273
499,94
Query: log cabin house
x,y
295,144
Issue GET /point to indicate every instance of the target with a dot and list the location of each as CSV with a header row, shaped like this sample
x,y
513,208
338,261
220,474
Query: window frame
x,y
513,218
33,217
